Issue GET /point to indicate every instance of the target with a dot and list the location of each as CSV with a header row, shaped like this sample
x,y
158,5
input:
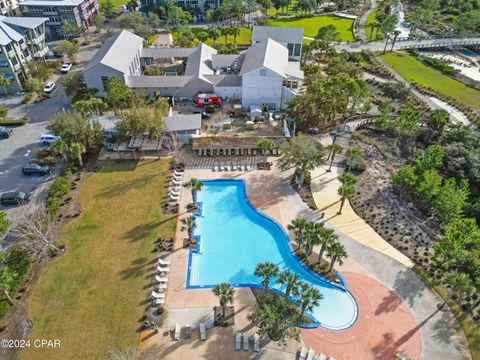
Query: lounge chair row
x,y
158,293
309,354
232,168
246,342
188,331
174,191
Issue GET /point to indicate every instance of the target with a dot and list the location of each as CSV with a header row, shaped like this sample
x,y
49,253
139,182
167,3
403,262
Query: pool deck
x,y
397,311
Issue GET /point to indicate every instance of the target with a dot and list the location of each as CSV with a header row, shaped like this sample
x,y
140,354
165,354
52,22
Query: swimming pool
x,y
234,237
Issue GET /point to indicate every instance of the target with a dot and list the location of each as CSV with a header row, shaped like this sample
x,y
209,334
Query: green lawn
x,y
93,297
312,24
415,71
371,20
244,38
115,2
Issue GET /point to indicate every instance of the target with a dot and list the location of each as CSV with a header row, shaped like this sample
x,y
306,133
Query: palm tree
x,y
202,36
225,31
266,271
334,149
235,31
337,253
346,190
307,52
290,280
195,185
299,228
78,149
460,285
188,225
4,82
214,34
328,236
309,298
60,147
225,294
395,36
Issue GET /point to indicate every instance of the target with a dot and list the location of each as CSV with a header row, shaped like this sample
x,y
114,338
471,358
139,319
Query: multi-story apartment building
x,y
8,7
21,41
78,12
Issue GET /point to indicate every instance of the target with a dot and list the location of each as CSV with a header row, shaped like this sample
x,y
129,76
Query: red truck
x,y
208,99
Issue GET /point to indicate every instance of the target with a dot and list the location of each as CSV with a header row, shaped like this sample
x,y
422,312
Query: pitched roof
x,y
183,122
200,61
117,52
269,54
149,81
51,2
224,60
225,80
8,33
164,52
24,22
282,34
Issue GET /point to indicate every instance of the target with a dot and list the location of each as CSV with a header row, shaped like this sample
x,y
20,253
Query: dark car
x,y
205,115
15,198
313,131
35,169
5,133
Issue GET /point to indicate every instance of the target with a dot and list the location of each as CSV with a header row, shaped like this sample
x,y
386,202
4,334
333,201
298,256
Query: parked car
x,y
313,131
205,115
35,169
47,139
15,198
5,132
66,68
49,87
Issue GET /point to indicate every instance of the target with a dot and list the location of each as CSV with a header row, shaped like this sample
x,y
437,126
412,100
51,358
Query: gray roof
x,y
24,22
269,54
200,61
224,60
281,34
184,122
164,52
225,80
147,81
117,52
51,2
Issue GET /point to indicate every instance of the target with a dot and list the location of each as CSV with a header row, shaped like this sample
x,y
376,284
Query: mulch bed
x,y
229,316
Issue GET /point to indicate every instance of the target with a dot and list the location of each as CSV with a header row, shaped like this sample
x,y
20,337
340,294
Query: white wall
x,y
93,77
260,90
228,91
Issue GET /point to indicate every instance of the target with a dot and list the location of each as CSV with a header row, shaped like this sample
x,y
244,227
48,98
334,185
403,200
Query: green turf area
x,y
116,3
244,38
415,71
312,24
368,30
93,297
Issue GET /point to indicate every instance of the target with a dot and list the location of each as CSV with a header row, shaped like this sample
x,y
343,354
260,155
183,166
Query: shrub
x,y
28,98
86,42
59,188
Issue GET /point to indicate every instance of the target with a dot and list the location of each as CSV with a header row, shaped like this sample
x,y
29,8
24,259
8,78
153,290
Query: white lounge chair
x,y
164,268
215,168
175,190
310,354
256,343
249,168
331,358
157,295
159,301
320,356
246,344
188,331
176,182
177,178
203,332
163,262
174,197
161,279
234,168
176,332
178,173
238,341
303,353
228,168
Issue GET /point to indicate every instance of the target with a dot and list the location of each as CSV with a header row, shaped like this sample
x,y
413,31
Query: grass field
x,y
115,2
371,20
415,71
312,24
93,297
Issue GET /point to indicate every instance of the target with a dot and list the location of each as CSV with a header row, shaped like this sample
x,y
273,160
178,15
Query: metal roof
x,y
269,54
225,80
147,81
183,122
224,60
200,61
24,22
117,52
282,34
8,33
51,2
165,52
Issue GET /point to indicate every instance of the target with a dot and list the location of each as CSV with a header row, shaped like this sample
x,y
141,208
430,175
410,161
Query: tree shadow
x,y
389,303
142,231
122,187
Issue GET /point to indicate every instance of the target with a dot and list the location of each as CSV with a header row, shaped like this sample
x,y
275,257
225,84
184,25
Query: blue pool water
x,y
235,237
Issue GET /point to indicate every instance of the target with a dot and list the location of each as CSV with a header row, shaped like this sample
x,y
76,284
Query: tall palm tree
x,y
290,280
195,186
312,237
202,36
235,31
337,253
334,149
4,82
225,31
299,228
60,147
346,190
309,298
78,149
187,224
307,52
214,34
266,271
395,36
225,294
328,236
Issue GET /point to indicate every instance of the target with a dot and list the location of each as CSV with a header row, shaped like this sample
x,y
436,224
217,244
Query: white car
x,y
65,68
49,87
48,139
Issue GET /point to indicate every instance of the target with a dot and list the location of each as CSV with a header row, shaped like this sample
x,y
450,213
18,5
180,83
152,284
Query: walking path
x,y
362,23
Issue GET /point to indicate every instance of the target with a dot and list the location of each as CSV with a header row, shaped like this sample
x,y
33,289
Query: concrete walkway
x,y
362,23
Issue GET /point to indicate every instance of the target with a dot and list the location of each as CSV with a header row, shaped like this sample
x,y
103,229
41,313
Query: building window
x,y
290,49
263,72
297,50
104,82
14,60
8,47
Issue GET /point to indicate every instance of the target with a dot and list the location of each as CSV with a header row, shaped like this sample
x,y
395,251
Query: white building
x,y
290,37
263,74
184,126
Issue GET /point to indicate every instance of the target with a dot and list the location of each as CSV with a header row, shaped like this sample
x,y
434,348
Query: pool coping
x,y
315,323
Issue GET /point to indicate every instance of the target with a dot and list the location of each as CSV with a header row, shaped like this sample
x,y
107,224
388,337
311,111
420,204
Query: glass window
x,y
298,49
104,82
263,72
290,49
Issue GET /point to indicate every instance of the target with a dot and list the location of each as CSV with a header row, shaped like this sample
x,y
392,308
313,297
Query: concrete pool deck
x,y
397,311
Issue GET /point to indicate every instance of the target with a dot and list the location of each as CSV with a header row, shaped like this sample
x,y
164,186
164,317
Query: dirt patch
x,y
229,318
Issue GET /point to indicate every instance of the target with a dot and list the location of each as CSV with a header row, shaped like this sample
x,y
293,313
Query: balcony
x,y
50,13
37,41
16,66
41,53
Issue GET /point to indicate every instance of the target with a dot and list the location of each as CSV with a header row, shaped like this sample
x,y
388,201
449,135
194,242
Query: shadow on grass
x,y
142,231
